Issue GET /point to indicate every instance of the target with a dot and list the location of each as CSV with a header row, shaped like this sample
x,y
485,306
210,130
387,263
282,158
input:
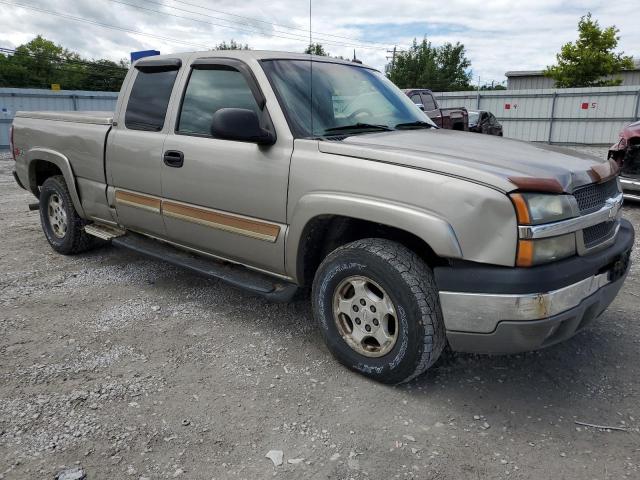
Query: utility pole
x,y
478,95
393,56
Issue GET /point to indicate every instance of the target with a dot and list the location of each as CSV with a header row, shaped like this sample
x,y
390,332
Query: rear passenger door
x,y
494,127
135,146
226,197
431,109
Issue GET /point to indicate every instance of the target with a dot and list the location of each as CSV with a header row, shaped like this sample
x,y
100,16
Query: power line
x,y
253,19
103,25
278,33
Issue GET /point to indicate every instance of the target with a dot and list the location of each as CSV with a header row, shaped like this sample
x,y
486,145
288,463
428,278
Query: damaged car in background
x,y
626,152
481,121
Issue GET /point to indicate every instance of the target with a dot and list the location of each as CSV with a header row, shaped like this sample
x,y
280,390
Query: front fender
x,y
435,231
59,160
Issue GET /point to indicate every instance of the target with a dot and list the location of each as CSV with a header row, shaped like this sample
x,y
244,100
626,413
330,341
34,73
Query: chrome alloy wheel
x,y
57,216
365,316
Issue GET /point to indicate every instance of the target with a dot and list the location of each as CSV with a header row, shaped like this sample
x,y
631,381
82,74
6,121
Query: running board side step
x,y
235,275
105,232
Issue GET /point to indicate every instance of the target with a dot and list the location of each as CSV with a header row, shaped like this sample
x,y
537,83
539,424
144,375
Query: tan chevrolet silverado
x,y
279,172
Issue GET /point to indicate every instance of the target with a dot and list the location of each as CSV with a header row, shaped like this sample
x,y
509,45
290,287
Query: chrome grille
x,y
593,197
597,234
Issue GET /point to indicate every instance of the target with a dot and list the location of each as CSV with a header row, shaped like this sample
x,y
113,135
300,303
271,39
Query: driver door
x,y
226,198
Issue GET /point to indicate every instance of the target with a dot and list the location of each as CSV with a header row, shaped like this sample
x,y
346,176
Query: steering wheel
x,y
359,112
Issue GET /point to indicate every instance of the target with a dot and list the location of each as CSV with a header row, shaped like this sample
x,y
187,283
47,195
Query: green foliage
x,y
232,45
591,58
444,68
316,49
493,87
41,63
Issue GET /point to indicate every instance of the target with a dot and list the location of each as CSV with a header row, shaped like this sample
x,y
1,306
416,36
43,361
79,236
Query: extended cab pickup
x,y
409,236
452,118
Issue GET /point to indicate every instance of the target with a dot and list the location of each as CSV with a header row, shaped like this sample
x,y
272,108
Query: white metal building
x,y
534,79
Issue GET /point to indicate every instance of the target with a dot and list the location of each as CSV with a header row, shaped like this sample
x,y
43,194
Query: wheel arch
x,y
322,222
43,163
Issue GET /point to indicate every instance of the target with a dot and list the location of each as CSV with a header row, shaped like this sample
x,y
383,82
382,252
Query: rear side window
x,y
429,102
149,100
208,91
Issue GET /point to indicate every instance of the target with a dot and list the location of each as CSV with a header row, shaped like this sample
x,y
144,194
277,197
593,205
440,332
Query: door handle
x,y
173,158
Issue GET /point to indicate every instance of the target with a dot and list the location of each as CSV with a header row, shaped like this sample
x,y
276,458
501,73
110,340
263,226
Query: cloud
x,y
499,35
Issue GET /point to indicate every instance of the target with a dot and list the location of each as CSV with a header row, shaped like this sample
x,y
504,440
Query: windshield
x,y
473,117
346,98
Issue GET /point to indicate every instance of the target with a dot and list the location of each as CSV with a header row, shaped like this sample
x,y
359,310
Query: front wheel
x,y
61,224
378,308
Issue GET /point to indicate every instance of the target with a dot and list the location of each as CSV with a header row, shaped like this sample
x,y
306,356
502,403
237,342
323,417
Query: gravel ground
x,y
598,151
129,368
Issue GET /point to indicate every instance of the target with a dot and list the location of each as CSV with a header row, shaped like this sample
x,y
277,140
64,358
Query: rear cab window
x,y
429,102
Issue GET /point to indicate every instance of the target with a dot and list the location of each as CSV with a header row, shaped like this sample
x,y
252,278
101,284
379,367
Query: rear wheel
x,y
60,222
377,306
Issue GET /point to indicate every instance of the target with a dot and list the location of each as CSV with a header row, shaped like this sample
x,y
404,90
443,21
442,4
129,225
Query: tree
x,y
41,63
316,49
443,68
590,61
232,45
105,75
493,86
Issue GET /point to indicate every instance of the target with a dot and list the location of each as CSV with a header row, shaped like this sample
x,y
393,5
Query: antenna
x,y
310,32
310,70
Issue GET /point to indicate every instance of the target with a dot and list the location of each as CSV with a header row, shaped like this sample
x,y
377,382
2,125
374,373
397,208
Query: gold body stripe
x,y
138,200
202,216
222,221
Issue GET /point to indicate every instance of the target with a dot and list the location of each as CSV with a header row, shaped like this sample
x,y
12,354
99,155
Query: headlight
x,y
536,209
545,250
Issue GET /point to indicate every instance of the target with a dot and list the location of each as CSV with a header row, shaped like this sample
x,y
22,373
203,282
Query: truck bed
x,y
95,118
76,139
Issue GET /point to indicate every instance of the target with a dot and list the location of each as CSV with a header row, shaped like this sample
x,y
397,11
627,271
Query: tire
x,y
396,274
55,201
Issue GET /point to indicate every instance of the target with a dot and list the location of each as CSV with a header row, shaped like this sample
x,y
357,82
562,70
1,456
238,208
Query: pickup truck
x,y
406,237
626,152
453,118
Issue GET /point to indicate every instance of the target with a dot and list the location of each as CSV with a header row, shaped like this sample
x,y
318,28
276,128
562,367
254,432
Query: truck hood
x,y
500,163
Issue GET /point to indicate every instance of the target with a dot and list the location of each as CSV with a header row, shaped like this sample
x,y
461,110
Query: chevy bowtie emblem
x,y
614,206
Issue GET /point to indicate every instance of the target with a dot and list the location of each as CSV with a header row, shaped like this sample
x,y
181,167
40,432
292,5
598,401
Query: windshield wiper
x,y
359,126
416,124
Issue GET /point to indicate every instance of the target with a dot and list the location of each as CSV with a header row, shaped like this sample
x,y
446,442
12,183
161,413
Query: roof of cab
x,y
250,55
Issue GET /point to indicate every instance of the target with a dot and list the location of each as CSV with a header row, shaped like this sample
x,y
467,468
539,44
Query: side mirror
x,y
420,106
240,124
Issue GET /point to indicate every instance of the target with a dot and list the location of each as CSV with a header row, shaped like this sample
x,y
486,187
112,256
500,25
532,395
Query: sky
x,y
499,35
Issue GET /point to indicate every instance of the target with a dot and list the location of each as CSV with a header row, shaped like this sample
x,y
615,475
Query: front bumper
x,y
490,309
